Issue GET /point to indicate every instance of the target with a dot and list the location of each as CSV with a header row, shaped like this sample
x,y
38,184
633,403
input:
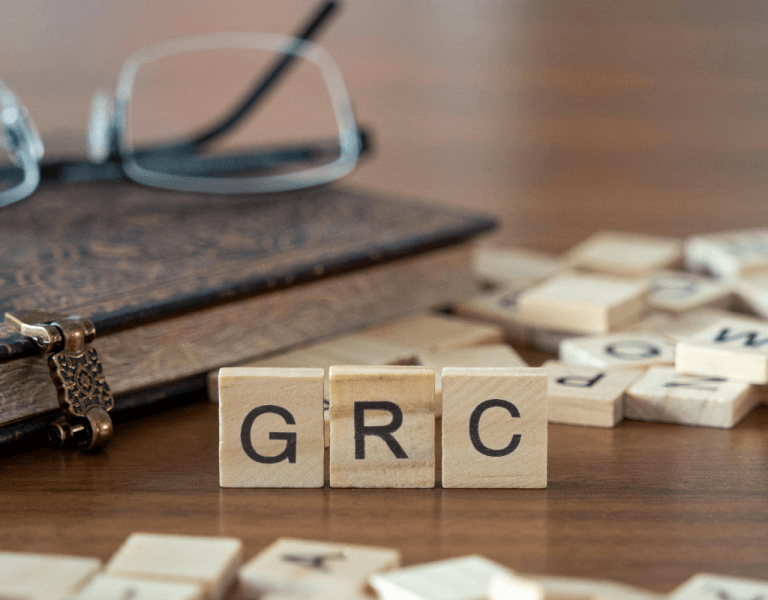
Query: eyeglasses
x,y
132,134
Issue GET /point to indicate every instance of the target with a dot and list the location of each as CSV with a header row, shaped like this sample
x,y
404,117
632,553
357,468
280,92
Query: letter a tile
x,y
382,427
494,428
271,427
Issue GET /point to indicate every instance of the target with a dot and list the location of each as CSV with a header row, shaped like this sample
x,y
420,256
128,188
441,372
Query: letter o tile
x,y
494,428
271,427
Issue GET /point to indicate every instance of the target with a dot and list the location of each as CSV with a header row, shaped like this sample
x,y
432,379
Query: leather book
x,y
179,284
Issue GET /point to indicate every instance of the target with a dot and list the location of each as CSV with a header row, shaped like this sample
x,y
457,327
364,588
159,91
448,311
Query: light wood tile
x,y
271,427
719,587
678,292
670,397
729,254
583,303
585,395
106,587
753,293
499,307
435,332
679,326
533,587
514,266
208,561
733,348
463,578
494,428
633,350
626,254
491,355
30,576
382,426
303,568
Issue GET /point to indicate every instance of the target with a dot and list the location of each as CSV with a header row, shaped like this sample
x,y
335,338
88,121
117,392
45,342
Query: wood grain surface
x,y
562,118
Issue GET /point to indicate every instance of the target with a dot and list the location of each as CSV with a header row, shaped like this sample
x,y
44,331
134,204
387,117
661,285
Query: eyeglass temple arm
x,y
262,86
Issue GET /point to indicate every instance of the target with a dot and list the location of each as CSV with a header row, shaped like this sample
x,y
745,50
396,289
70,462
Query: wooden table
x,y
562,119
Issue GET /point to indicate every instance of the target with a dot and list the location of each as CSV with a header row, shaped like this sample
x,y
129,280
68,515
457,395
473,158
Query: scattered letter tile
x,y
634,350
626,254
271,427
106,587
209,561
717,587
729,255
499,307
732,348
678,292
382,426
583,303
435,332
464,578
586,395
670,397
44,576
532,587
305,568
494,428
514,266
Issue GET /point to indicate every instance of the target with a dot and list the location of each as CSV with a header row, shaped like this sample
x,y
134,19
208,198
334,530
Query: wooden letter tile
x,y
208,561
106,587
729,255
626,254
514,266
435,332
464,578
499,307
753,293
717,587
731,348
30,576
494,428
585,395
619,351
514,587
491,355
271,427
583,303
678,292
382,426
670,397
303,568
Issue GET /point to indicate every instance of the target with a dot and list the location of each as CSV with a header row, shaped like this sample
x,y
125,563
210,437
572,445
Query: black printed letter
x,y
579,380
474,428
632,350
383,431
290,438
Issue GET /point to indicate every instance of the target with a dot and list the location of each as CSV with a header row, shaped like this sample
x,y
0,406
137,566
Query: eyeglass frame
x,y
117,157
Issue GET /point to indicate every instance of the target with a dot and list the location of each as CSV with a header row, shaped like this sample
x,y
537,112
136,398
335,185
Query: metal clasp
x,y
76,371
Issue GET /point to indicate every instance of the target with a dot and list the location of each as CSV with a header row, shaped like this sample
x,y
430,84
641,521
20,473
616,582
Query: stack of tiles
x,y
180,567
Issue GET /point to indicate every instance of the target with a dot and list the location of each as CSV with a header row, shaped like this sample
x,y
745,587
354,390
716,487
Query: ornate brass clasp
x,y
76,371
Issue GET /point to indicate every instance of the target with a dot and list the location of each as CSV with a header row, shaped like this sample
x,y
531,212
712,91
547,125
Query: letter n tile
x,y
382,427
494,427
271,427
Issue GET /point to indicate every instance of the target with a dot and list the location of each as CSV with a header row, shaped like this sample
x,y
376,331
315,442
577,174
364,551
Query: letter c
x,y
474,428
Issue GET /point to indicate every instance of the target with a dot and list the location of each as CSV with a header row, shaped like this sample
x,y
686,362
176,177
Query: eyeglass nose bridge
x,y
101,138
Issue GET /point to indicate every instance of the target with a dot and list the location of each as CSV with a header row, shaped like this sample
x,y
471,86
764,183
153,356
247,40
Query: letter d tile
x,y
382,427
494,428
271,427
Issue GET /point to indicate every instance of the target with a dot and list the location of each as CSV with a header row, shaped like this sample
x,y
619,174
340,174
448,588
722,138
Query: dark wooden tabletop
x,y
562,118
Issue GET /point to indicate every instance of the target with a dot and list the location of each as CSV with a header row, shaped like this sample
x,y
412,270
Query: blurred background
x,y
594,113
